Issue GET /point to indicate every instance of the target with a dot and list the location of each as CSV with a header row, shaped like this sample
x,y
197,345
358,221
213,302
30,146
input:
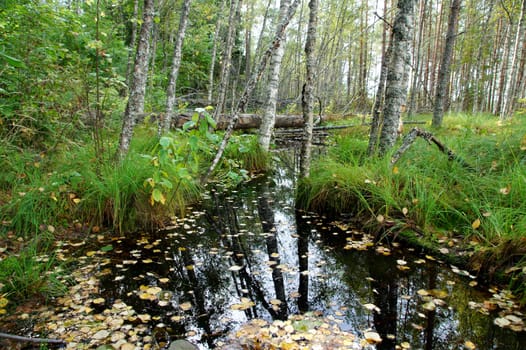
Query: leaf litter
x,y
86,320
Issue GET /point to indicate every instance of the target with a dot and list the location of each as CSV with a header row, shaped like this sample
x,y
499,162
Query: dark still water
x,y
249,254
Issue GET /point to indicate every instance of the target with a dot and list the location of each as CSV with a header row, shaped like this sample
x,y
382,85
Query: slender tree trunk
x,y
135,103
376,122
176,64
133,41
256,76
417,60
269,117
504,59
308,90
248,40
396,84
511,81
227,58
445,65
210,89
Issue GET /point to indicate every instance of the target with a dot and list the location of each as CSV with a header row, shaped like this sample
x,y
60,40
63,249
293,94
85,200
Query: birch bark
x,y
396,82
256,76
308,90
135,103
269,116
176,64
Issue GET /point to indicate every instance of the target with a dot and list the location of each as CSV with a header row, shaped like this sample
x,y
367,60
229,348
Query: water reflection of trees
x,y
281,253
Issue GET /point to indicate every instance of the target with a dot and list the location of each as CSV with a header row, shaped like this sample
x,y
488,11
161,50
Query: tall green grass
x,y
428,189
31,272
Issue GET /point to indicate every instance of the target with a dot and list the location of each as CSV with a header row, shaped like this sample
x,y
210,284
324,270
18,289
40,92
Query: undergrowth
x,y
484,205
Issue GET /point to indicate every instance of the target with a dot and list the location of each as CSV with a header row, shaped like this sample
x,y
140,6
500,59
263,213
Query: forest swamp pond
x,y
248,254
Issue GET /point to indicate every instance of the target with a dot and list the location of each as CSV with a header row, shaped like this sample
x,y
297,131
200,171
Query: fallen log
x,y
252,121
246,121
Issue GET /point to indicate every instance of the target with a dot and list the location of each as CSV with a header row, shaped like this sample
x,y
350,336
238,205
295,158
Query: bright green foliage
x,y
47,59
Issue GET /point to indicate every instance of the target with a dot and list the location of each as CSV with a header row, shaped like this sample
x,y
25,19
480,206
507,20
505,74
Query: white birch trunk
x,y
214,54
135,103
269,117
256,76
227,58
396,83
511,79
176,64
308,91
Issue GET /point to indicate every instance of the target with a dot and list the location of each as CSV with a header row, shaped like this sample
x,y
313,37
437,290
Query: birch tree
x,y
511,81
376,122
135,103
176,63
396,82
226,63
249,87
210,88
308,93
269,116
443,73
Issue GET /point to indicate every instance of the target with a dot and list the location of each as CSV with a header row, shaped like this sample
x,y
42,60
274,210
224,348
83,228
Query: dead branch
x,y
430,138
32,340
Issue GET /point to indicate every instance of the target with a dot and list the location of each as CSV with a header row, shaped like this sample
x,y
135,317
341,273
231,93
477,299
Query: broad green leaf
x,y
165,142
158,196
210,120
107,248
14,62
166,183
188,125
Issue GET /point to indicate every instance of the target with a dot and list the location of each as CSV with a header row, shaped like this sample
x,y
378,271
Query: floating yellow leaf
x,y
185,306
502,322
372,337
98,301
469,345
372,307
429,306
144,318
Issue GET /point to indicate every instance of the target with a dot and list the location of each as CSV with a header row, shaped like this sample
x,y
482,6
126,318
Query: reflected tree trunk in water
x,y
431,315
225,225
303,259
267,221
385,285
203,316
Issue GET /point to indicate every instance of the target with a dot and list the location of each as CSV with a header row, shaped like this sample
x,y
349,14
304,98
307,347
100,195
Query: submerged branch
x,y
33,340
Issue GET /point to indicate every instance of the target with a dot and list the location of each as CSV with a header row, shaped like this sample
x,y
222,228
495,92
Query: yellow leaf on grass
x,y
469,345
476,224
